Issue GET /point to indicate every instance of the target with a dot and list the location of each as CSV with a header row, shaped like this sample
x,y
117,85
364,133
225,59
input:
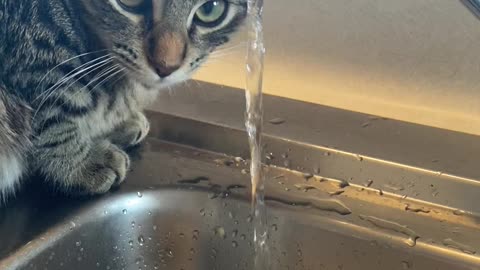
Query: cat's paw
x,y
131,132
107,167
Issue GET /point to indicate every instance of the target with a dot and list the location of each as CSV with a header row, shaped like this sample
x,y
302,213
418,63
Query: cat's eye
x,y
131,3
211,13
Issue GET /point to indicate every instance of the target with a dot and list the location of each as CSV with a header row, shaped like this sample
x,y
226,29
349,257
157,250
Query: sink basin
x,y
186,203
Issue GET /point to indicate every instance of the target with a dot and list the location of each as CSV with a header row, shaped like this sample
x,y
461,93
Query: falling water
x,y
254,119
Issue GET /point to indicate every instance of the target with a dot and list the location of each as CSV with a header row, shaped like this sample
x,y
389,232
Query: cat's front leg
x,y
131,132
77,164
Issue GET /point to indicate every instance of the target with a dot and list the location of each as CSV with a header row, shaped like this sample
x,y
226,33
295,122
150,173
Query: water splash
x,y
254,123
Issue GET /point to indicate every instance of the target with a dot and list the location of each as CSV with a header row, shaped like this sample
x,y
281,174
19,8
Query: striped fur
x,y
74,78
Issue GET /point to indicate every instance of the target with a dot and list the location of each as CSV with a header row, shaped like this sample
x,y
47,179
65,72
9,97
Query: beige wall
x,y
413,60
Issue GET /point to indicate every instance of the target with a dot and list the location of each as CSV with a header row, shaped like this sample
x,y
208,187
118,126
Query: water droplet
x,y
202,212
239,159
81,249
249,219
234,233
79,259
139,194
78,243
393,226
220,232
196,234
155,227
276,121
307,176
138,261
72,225
170,253
130,243
182,235
336,193
133,224
274,227
234,244
406,265
149,213
141,240
343,184
124,211
459,246
243,237
105,212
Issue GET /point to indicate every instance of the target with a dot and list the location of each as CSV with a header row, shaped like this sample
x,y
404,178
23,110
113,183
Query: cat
x,y
76,74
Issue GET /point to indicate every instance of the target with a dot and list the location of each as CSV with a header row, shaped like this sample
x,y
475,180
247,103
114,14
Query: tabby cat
x,y
75,75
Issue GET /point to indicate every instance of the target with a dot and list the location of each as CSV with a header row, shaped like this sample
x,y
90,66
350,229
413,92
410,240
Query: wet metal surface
x,y
186,203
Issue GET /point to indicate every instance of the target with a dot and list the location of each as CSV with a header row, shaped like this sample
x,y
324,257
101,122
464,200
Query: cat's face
x,y
162,42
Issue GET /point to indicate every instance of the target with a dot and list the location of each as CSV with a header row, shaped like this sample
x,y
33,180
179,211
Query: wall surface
x,y
412,60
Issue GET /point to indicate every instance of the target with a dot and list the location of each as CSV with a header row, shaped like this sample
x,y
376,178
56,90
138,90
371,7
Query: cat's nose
x,y
167,53
165,70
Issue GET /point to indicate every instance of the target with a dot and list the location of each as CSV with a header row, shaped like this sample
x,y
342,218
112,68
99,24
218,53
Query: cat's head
x,y
162,42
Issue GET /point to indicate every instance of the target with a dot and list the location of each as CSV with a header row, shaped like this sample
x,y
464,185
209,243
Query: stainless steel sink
x,y
345,191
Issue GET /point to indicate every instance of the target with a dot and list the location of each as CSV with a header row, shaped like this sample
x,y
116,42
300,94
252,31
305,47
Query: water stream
x,y
254,122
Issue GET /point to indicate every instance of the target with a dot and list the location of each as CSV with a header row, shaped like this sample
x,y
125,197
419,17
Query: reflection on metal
x,y
328,208
473,5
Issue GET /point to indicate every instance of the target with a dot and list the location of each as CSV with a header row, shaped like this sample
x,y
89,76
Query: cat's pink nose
x,y
164,70
167,52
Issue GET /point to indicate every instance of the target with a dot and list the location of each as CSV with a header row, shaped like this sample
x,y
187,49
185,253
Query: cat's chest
x,y
112,109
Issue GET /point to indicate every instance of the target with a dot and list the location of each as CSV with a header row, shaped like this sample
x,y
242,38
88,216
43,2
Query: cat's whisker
x,y
90,69
235,48
198,84
240,43
125,73
67,77
62,63
53,90
95,79
221,55
188,84
230,48
80,68
98,77
108,78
